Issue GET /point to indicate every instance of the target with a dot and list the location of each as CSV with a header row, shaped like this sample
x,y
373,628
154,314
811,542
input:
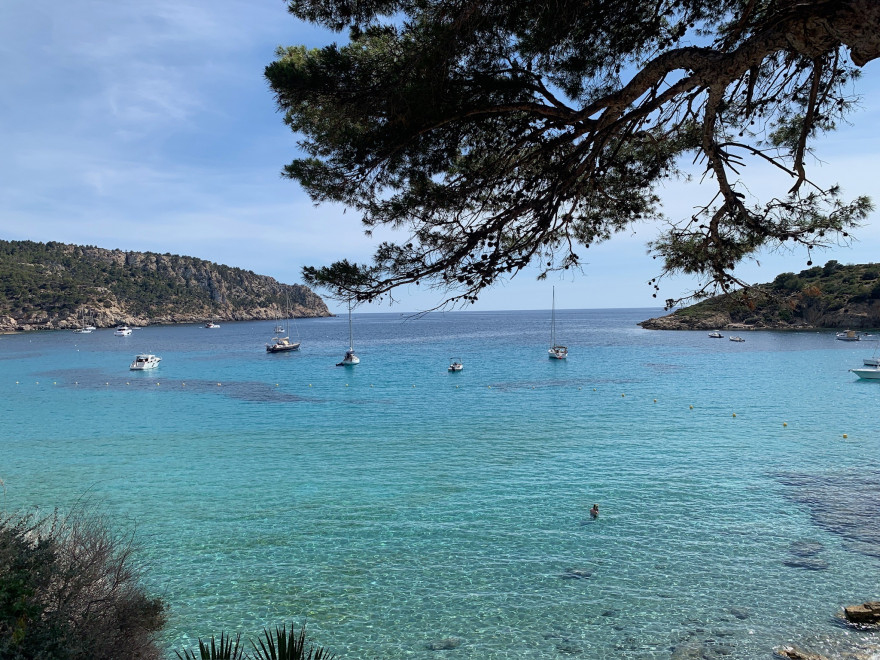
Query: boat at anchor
x,y
145,361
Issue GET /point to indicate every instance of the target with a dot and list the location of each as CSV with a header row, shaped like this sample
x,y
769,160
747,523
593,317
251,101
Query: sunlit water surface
x,y
397,507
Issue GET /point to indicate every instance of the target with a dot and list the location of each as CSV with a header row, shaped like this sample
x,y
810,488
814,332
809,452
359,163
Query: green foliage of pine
x,y
502,136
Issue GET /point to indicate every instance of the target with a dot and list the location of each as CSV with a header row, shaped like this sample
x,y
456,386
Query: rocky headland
x,y
52,286
833,296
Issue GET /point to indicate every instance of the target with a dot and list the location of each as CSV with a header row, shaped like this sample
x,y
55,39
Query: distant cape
x,y
832,296
56,286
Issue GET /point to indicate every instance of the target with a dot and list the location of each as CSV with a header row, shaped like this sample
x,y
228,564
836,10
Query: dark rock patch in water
x,y
569,649
707,649
739,613
445,644
577,574
794,653
153,381
843,503
806,548
808,563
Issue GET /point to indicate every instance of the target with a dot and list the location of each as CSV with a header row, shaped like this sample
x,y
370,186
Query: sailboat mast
x,y
350,344
553,320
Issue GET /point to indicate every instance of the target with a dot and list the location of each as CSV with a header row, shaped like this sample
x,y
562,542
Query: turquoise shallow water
x,y
394,505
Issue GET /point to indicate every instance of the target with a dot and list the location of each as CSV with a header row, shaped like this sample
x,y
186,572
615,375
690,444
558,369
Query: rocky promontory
x,y
51,286
833,296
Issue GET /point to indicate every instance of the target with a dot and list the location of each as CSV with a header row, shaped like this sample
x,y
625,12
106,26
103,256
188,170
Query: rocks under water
x,y
842,503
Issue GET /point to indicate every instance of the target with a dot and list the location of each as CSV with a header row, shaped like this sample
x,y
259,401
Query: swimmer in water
x,y
594,512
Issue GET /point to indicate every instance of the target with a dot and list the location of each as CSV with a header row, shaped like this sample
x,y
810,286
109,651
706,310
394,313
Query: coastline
x,y
719,320
11,326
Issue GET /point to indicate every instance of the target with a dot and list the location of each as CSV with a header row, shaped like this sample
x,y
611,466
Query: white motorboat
x,y
867,373
740,339
716,335
849,335
122,331
556,351
455,364
350,359
211,325
871,368
145,361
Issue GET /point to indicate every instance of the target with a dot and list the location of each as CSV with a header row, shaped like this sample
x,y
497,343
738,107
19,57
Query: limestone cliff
x,y
54,285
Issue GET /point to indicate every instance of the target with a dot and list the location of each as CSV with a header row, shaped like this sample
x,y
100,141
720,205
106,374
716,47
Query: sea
x,y
400,510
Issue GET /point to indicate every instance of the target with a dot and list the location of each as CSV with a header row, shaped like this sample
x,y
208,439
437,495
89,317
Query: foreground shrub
x,y
69,591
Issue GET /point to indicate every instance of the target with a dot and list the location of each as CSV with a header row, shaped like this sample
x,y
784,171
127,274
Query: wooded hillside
x,y
55,285
829,296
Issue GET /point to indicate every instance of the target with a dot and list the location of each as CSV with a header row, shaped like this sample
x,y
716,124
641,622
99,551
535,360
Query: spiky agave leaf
x,y
225,650
288,646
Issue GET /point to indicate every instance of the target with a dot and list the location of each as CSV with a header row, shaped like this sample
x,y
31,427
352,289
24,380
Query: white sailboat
x,y
84,329
556,351
282,344
278,327
350,358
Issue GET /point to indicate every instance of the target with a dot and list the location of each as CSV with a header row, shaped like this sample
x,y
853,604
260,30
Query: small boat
x,y
556,351
211,325
144,361
849,335
84,329
349,359
122,331
282,345
867,373
456,364
737,339
716,335
871,368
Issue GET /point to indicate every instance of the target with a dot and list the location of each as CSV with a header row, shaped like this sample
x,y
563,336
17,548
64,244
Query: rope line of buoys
x,y
844,436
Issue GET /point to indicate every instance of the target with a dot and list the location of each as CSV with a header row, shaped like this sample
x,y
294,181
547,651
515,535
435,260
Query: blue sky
x,y
149,126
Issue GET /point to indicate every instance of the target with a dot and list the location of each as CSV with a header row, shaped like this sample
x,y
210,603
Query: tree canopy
x,y
502,133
